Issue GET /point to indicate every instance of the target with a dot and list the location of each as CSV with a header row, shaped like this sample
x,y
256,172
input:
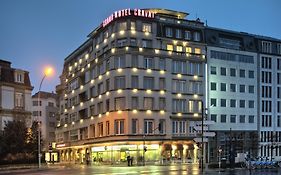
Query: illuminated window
x,y
197,50
179,48
123,26
119,126
170,47
146,27
133,25
188,49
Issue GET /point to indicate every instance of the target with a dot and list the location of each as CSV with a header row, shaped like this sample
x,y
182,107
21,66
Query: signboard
x,y
127,12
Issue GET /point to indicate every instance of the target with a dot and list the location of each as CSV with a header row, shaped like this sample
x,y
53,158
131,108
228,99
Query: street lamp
x,y
48,71
220,151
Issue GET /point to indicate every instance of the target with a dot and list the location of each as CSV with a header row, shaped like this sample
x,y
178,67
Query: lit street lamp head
x,y
48,71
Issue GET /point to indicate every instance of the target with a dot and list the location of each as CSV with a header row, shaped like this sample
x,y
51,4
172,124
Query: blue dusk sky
x,y
34,33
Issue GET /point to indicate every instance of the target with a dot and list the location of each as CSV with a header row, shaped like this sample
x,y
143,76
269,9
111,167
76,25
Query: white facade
x,y
233,103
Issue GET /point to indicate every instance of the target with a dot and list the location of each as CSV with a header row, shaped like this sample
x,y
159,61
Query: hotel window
x,y
213,70
197,51
134,126
123,25
119,127
223,71
146,27
120,82
100,129
162,83
107,65
133,42
196,36
223,86
188,49
251,74
120,103
119,62
251,119
232,103
179,86
147,43
162,64
223,102
266,46
187,35
179,67
169,32
179,48
87,76
162,124
213,102
179,127
232,87
232,72
133,25
148,103
179,105
92,110
107,105
214,117
19,99
213,86
134,82
148,126
107,128
232,118
135,61
105,34
100,88
148,63
266,62
162,103
242,118
121,42
242,73
178,33
148,82
135,103
100,108
107,85
223,118
170,47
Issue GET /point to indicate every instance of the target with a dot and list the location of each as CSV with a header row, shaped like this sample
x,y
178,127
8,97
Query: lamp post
x,y
48,71
220,150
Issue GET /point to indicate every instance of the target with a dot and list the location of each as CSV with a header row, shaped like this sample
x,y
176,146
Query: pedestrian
x,y
128,160
132,159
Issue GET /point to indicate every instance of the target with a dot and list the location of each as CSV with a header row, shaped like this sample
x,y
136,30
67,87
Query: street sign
x,y
199,140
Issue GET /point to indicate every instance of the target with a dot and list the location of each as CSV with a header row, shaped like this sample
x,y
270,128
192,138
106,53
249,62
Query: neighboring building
x,y
269,71
138,80
15,94
46,113
232,93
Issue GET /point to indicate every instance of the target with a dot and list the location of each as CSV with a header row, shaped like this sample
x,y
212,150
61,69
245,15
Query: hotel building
x,y
134,88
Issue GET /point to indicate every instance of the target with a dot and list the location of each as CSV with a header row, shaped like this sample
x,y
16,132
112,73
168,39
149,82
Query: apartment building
x,y
44,110
133,88
15,94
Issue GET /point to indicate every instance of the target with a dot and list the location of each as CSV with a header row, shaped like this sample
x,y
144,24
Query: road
x,y
147,170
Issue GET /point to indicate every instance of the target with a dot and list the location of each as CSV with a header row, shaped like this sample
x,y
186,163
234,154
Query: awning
x,y
167,147
179,146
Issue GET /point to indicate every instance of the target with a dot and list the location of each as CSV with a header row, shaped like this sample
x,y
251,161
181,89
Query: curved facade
x,y
134,88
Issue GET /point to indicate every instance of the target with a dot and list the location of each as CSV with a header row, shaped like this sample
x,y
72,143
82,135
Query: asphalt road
x,y
147,170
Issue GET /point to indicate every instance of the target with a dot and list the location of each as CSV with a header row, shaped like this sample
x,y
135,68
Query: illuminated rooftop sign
x,y
128,12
